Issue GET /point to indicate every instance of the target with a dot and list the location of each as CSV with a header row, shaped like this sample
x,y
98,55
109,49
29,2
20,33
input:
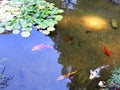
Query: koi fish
x,y
67,75
96,73
41,46
107,52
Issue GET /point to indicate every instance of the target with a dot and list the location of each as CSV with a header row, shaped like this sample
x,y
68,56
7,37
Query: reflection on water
x,y
26,69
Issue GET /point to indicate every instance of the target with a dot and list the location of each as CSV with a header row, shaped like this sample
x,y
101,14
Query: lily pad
x,y
46,32
60,11
2,29
51,6
43,25
51,22
25,13
51,29
9,28
58,17
25,34
16,31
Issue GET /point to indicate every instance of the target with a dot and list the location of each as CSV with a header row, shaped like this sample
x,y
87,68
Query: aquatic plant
x,y
113,83
21,15
115,77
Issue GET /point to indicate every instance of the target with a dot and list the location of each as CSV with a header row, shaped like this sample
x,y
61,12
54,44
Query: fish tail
x,y
105,66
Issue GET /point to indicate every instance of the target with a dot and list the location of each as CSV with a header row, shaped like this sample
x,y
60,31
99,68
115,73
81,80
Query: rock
x,y
114,23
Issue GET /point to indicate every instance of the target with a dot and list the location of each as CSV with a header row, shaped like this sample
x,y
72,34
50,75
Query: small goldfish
x,y
67,75
107,52
41,46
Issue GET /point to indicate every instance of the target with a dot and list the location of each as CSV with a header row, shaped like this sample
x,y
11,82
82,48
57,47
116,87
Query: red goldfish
x,y
41,46
107,52
67,75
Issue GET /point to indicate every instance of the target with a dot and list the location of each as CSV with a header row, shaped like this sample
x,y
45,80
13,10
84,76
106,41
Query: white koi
x,y
96,73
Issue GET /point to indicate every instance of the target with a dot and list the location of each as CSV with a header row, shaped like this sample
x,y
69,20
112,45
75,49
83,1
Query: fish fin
x,y
91,71
97,76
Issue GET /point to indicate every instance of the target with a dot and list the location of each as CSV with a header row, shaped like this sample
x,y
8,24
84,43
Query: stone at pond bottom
x,y
114,23
116,1
25,34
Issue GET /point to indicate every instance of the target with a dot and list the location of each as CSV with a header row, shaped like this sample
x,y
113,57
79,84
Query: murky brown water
x,y
89,26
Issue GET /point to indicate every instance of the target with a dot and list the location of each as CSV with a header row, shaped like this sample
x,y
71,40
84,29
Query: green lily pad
x,y
51,22
25,34
46,32
2,29
9,28
51,29
51,6
16,31
25,13
60,11
43,25
58,17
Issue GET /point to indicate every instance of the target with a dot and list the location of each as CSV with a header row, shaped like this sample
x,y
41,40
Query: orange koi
x,y
107,52
67,75
41,46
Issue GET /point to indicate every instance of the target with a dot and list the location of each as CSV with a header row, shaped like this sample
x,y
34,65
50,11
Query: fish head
x,y
93,74
35,48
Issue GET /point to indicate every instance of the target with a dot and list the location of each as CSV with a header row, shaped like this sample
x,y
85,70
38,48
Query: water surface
x,y
88,23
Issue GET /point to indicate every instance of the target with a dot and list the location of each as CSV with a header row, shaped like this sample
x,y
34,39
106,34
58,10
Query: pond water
x,y
27,69
79,41
84,31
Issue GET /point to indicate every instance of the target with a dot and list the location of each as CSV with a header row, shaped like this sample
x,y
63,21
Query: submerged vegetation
x,y
21,15
114,80
113,83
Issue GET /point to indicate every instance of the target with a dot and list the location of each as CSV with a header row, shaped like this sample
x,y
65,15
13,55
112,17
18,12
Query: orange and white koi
x,y
67,75
41,46
96,73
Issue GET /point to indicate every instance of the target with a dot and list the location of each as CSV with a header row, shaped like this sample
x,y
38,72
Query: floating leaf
x,y
46,32
25,13
51,6
25,34
16,31
58,17
60,11
43,25
2,29
51,22
50,28
37,26
9,28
